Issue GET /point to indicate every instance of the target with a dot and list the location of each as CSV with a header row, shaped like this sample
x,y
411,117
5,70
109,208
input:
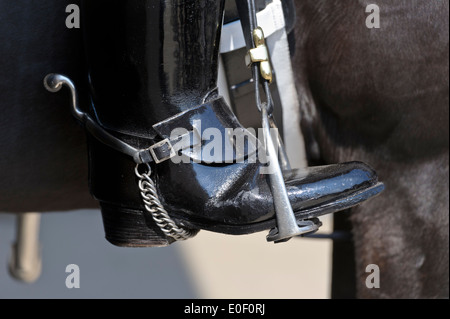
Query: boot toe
x,y
325,185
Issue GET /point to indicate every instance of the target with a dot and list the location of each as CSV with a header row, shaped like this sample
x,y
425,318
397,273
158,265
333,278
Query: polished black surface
x,y
157,59
149,60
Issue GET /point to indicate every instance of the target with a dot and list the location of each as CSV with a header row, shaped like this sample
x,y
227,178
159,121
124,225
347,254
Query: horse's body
x,y
375,95
381,96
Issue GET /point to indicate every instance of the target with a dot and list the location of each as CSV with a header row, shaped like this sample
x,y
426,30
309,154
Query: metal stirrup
x,y
258,59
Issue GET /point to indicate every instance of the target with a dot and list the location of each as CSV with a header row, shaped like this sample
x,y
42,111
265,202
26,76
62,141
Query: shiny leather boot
x,y
153,69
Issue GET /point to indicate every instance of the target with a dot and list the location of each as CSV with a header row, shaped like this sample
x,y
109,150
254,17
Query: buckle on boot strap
x,y
164,149
158,152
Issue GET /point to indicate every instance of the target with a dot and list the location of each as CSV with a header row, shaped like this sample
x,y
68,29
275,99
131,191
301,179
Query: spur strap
x,y
157,152
167,143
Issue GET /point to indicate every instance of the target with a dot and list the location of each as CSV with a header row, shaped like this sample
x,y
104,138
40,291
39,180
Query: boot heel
x,y
129,228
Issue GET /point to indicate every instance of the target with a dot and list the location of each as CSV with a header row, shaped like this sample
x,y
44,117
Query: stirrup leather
x,y
259,60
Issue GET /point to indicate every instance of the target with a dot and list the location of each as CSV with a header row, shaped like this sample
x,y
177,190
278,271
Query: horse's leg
x,y
381,96
407,232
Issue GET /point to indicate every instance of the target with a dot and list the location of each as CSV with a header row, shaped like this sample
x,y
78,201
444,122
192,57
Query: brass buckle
x,y
260,54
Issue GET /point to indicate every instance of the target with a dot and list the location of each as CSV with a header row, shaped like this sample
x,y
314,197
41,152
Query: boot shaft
x,y
150,59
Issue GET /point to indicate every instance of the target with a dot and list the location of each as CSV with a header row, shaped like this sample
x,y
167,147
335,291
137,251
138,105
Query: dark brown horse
x,y
375,95
380,95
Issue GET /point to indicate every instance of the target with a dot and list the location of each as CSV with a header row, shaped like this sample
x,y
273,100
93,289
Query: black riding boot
x,y
153,69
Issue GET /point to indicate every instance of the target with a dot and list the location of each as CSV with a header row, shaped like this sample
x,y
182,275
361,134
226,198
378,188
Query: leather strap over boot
x,y
168,142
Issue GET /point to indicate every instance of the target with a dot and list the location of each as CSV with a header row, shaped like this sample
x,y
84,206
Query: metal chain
x,y
156,209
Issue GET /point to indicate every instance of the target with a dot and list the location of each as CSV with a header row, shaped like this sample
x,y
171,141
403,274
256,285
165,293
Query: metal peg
x,y
26,263
287,224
